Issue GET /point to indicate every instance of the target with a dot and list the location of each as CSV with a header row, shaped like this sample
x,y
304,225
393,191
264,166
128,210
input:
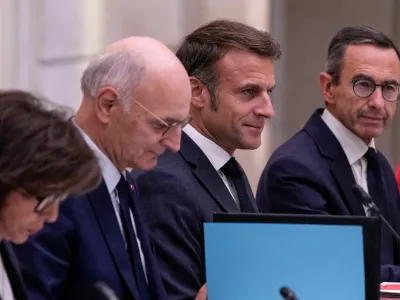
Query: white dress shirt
x,y
6,292
111,177
353,147
217,156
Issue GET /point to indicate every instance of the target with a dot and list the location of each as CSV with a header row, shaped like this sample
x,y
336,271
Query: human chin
x,y
250,142
367,132
18,237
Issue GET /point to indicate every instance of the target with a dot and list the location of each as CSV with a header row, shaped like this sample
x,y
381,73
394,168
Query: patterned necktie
x,y
236,175
130,238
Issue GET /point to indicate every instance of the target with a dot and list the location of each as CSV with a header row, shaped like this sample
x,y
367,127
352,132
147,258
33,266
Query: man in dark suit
x,y
314,171
39,150
231,69
132,110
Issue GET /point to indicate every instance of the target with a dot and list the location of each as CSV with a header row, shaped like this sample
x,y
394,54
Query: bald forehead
x,y
155,53
139,44
165,74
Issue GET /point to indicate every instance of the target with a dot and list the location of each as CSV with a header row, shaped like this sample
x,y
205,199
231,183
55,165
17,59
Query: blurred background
x,y
46,44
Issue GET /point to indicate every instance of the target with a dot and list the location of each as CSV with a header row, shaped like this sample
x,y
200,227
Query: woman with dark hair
x,y
43,159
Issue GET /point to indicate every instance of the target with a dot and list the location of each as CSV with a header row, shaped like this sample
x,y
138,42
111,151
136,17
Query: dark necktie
x,y
374,177
124,196
377,192
236,175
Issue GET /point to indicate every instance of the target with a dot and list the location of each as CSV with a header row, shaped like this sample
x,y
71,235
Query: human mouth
x,y
373,118
254,128
157,154
33,231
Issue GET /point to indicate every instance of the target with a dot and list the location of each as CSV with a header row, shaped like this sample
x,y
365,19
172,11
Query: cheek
x,y
350,106
17,216
390,108
18,220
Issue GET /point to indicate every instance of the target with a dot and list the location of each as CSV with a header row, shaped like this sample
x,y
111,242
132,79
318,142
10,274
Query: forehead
x,y
237,66
166,95
379,63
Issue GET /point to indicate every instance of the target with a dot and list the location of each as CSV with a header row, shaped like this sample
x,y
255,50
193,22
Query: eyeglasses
x,y
364,88
168,127
45,202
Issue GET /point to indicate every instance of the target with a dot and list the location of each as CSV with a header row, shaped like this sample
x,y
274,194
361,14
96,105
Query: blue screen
x,y
252,261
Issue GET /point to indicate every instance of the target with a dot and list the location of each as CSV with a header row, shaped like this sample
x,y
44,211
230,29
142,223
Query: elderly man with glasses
x,y
132,111
314,171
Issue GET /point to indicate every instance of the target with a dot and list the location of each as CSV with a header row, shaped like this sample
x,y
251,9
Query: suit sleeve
x,y
175,231
288,185
44,259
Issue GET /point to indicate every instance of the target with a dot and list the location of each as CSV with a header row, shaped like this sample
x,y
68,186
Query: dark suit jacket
x,y
310,174
13,271
84,246
181,193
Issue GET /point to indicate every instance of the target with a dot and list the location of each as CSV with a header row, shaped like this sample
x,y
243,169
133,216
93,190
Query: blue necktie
x,y
125,200
236,175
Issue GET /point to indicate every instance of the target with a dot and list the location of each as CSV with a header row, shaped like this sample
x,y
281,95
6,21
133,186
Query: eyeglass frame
x,y
169,127
355,81
45,202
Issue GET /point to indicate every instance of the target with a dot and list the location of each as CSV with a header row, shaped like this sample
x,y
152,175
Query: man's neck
x,y
203,131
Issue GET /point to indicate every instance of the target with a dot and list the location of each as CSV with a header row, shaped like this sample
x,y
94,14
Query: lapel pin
x,y
132,187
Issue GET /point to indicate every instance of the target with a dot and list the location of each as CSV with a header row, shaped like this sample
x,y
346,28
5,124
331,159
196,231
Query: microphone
x,y
366,200
287,293
105,291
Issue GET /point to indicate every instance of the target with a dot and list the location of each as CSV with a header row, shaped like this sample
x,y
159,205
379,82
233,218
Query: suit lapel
x,y
12,269
345,178
206,174
250,194
330,147
109,226
211,180
153,273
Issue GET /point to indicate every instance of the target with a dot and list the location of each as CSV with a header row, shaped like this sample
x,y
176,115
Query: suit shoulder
x,y
171,165
300,147
72,208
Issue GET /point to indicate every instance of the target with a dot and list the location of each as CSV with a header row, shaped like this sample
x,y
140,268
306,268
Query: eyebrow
x,y
257,86
385,82
171,120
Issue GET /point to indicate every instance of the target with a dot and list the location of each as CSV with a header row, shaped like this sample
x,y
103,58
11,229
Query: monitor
x,y
254,256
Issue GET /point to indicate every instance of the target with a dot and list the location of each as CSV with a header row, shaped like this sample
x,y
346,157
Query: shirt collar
x,y
352,145
110,173
215,154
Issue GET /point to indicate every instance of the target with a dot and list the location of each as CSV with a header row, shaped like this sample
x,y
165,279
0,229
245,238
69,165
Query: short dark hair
x,y
41,151
204,47
354,35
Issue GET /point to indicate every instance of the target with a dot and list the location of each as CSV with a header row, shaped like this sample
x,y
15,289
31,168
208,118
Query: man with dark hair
x,y
314,171
132,111
231,69
43,159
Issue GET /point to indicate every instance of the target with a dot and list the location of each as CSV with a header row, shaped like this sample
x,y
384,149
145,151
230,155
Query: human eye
x,y
250,91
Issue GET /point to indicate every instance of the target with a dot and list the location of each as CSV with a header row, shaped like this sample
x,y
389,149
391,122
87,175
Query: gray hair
x,y
354,35
121,70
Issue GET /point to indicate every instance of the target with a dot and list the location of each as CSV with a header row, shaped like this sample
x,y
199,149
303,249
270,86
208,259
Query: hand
x,y
202,294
